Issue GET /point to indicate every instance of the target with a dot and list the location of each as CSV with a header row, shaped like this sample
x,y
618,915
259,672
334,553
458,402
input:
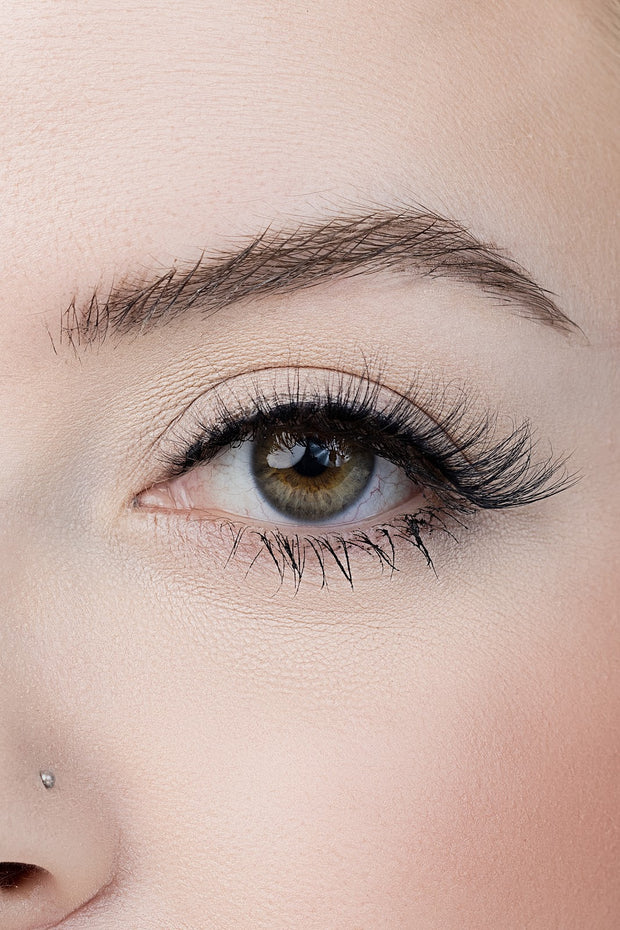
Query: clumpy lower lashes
x,y
292,555
449,461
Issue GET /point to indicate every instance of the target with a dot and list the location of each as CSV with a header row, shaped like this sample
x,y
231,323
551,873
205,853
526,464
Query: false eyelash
x,y
452,453
457,457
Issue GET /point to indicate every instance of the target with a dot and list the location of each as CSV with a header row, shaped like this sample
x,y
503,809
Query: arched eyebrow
x,y
281,262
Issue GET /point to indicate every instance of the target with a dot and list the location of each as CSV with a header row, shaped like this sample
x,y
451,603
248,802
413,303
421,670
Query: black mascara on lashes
x,y
460,459
455,456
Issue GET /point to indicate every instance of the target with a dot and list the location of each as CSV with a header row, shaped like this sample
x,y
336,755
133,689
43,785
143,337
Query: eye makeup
x,y
456,462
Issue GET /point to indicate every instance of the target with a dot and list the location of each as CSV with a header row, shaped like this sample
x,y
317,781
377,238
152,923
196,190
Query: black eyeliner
x,y
458,460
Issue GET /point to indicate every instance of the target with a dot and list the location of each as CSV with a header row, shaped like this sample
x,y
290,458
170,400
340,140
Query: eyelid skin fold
x,y
457,457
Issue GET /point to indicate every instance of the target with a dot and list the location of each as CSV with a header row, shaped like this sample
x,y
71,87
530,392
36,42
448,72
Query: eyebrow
x,y
278,262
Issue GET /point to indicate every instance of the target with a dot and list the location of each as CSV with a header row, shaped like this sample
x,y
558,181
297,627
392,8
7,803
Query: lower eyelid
x,y
401,541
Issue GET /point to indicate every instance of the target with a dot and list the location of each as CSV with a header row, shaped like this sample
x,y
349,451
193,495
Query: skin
x,y
423,751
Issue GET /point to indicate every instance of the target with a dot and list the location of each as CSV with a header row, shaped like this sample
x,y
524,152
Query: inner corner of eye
x,y
158,496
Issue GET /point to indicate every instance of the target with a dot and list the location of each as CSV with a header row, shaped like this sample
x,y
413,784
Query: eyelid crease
x,y
457,455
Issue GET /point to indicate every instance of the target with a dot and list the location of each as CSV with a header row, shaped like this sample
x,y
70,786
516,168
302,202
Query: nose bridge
x,y
14,534
34,463
20,512
22,583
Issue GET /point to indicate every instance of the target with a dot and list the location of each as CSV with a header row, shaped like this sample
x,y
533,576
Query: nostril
x,y
58,844
18,875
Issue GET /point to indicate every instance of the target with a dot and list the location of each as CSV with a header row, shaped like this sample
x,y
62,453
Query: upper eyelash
x,y
453,454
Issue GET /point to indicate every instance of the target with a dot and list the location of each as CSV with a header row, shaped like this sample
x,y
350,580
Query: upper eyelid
x,y
507,466
369,382
372,374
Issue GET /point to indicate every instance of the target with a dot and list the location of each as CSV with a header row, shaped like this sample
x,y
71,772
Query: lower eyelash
x,y
460,462
293,553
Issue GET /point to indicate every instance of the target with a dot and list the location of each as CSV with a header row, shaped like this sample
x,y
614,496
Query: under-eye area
x,y
299,467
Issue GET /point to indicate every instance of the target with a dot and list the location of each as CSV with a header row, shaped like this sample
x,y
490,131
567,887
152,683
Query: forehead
x,y
159,128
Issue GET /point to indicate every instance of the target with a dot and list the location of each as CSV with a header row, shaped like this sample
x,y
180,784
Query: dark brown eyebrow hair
x,y
311,253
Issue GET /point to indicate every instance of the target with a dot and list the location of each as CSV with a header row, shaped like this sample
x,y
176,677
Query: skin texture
x,y
423,751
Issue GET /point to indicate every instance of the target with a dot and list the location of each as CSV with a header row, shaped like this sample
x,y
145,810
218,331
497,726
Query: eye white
x,y
226,486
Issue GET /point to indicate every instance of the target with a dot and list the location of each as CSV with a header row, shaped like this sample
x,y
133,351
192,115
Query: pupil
x,y
307,478
313,462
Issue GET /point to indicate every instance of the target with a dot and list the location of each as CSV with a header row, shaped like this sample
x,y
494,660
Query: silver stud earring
x,y
48,779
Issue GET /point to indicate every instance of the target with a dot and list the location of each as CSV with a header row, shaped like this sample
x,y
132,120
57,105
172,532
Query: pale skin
x,y
425,749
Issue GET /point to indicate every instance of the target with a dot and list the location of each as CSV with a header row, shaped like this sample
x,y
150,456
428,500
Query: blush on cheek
x,y
514,814
486,797
489,805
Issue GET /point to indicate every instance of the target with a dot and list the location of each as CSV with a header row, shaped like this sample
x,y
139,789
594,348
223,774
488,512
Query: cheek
x,y
466,779
523,819
525,806
486,795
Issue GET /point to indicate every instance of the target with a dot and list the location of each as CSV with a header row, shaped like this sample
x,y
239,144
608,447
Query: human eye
x,y
310,466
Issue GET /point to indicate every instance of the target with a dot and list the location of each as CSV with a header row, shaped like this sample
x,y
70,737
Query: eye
x,y
290,476
324,467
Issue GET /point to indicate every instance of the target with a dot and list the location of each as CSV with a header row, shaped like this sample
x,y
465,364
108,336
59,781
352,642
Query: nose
x,y
57,844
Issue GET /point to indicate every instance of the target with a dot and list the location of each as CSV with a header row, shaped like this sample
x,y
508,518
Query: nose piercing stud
x,y
48,779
